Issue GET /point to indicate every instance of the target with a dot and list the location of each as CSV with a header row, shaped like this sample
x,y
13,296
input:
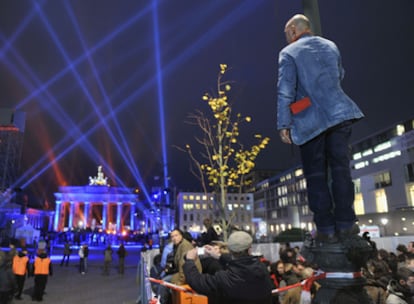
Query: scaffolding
x,y
11,144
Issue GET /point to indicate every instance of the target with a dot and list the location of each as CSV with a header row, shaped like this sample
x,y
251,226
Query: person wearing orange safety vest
x,y
20,270
42,268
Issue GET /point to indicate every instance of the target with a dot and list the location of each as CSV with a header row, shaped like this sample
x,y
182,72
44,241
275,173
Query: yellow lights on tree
x,y
223,161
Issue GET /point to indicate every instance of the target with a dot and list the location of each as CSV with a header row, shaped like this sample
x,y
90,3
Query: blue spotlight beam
x,y
85,90
127,158
22,26
81,58
160,94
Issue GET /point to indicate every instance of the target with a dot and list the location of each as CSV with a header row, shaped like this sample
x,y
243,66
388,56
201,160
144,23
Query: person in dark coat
x,y
209,235
401,288
7,281
21,270
245,280
121,258
42,269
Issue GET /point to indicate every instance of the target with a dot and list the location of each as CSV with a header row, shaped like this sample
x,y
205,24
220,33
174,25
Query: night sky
x,y
86,74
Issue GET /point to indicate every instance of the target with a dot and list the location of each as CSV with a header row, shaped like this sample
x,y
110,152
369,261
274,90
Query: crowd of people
x,y
229,273
17,265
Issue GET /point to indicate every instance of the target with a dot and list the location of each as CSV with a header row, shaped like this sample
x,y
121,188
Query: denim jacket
x,y
311,67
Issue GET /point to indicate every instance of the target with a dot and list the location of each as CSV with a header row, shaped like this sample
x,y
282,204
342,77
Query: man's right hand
x,y
285,136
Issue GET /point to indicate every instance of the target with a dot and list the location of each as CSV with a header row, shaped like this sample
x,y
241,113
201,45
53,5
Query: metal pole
x,y
311,10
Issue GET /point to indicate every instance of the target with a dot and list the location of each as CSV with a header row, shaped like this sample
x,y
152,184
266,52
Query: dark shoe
x,y
329,238
348,232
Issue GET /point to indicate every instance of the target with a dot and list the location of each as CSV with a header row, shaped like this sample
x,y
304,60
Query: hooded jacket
x,y
245,280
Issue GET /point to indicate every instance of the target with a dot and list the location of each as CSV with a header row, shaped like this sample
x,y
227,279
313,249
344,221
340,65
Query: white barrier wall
x,y
270,251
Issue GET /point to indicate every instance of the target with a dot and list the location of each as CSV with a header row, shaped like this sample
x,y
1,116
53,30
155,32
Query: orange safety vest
x,y
41,266
20,264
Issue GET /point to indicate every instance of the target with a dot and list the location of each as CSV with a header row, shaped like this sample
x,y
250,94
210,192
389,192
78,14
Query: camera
x,y
200,251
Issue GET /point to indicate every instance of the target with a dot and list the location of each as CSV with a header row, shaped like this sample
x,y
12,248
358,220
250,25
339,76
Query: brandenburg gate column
x,y
118,217
104,215
71,211
57,215
86,214
132,215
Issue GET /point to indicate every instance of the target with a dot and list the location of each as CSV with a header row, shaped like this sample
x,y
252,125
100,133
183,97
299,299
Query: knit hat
x,y
239,241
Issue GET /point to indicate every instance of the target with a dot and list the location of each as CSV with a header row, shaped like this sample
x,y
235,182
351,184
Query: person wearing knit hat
x,y
244,278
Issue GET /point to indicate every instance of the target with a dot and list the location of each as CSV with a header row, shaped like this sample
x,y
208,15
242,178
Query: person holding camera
x,y
181,247
244,279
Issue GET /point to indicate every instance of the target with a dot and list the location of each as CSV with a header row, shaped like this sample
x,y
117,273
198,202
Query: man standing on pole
x,y
314,113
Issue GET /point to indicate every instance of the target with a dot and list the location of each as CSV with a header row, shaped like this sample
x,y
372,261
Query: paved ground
x,y
68,286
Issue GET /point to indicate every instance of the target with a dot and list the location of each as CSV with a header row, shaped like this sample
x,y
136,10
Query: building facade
x,y
194,207
383,174
281,203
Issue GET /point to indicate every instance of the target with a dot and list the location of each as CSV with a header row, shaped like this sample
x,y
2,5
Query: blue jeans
x,y
330,188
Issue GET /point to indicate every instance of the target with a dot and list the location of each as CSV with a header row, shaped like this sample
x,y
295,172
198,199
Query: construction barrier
x,y
145,292
182,294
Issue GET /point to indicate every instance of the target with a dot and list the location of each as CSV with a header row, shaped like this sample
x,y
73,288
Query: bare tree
x,y
223,161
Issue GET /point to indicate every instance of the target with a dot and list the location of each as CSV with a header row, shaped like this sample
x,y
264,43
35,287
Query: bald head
x,y
296,26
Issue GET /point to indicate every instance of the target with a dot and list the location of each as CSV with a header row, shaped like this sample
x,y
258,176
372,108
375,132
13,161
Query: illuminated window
x,y
302,184
305,209
204,197
198,206
188,206
191,197
359,204
357,185
230,207
357,156
185,197
382,180
382,146
400,130
386,156
299,172
410,195
204,206
367,152
361,165
198,197
381,201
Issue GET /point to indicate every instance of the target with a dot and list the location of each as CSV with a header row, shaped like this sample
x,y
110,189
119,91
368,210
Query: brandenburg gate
x,y
97,205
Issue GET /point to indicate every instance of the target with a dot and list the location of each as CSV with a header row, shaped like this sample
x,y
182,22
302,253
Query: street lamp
x,y
384,222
